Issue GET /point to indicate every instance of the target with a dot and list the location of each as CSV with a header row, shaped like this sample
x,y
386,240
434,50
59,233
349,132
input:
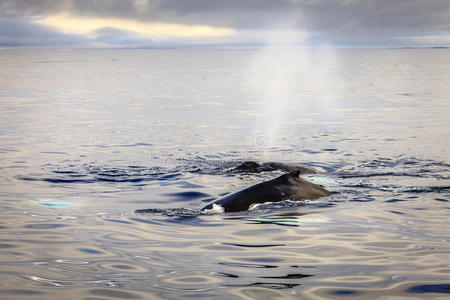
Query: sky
x,y
224,23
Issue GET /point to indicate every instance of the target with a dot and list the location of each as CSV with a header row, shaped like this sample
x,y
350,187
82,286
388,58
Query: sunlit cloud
x,y
87,26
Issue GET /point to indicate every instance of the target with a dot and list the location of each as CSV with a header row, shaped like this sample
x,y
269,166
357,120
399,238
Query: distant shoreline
x,y
436,47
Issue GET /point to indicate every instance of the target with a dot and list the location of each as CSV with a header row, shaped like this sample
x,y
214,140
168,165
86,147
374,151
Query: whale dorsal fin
x,y
293,174
286,178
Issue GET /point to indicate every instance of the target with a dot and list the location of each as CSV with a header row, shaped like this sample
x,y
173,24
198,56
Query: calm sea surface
x,y
89,136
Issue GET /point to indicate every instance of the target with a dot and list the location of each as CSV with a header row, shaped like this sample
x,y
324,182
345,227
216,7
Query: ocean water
x,y
87,136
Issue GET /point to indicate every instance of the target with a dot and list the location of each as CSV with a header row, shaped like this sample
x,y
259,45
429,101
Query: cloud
x,y
86,25
326,22
25,33
114,36
376,21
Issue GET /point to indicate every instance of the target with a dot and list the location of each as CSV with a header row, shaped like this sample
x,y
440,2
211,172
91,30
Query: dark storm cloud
x,y
338,22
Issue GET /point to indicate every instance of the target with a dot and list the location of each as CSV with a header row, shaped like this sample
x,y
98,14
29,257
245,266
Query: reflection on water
x,y
90,140
365,250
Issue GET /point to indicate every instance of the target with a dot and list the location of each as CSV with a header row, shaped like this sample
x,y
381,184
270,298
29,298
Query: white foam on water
x,y
216,209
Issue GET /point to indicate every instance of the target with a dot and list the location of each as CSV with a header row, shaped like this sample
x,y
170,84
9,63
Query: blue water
x,y
89,136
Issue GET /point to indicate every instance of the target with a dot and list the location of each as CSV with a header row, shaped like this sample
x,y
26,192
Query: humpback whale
x,y
287,186
254,167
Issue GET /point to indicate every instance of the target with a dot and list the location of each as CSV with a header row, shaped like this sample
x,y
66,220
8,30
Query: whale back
x,y
254,167
287,186
272,166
